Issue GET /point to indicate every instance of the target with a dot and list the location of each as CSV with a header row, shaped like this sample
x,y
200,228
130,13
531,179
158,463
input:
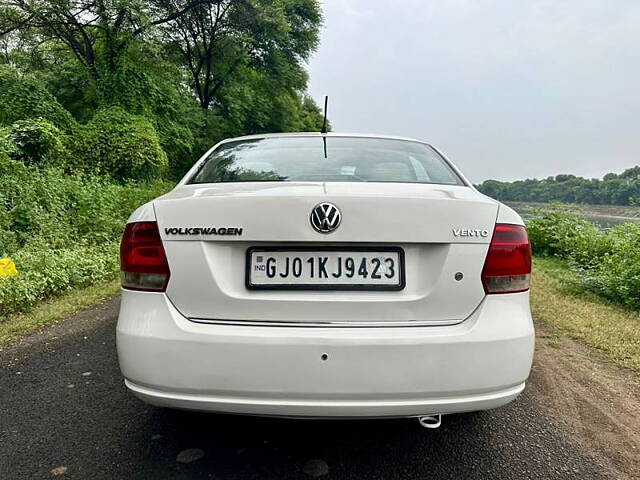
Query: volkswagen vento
x,y
313,275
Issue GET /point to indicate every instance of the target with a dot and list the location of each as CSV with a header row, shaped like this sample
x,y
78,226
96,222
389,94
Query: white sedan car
x,y
311,275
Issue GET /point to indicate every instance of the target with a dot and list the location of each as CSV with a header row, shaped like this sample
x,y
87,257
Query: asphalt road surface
x,y
64,413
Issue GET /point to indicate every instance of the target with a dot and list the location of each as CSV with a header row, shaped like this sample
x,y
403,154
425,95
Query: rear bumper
x,y
479,364
325,408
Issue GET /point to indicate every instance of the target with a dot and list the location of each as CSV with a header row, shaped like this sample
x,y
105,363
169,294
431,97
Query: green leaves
x,y
223,42
606,261
617,275
122,145
46,272
61,230
23,97
39,142
560,231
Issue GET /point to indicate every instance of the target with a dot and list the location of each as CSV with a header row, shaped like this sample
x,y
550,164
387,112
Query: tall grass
x,y
61,231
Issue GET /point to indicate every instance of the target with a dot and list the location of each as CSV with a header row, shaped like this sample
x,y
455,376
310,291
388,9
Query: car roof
x,y
318,134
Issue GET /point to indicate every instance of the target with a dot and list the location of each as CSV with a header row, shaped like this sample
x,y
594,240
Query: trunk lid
x,y
443,230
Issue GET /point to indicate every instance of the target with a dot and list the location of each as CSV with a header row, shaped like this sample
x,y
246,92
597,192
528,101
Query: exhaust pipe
x,y
430,421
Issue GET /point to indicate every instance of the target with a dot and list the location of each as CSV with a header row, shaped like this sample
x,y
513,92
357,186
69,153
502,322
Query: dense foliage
x,y
196,71
103,103
62,231
606,261
23,97
120,144
613,189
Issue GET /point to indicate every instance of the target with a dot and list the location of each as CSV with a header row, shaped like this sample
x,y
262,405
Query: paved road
x,y
62,404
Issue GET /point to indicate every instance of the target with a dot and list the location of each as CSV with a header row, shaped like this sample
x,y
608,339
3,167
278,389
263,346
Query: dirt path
x,y
599,402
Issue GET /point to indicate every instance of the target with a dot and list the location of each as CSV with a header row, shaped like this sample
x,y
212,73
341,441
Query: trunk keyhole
x,y
324,356
458,276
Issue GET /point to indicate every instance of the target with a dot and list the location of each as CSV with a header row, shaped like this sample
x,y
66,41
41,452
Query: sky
x,y
506,89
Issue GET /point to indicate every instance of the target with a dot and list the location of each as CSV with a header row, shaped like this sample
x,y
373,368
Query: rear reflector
x,y
143,263
507,268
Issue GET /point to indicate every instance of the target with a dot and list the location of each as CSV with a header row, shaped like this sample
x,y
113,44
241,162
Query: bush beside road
x,y
603,261
61,231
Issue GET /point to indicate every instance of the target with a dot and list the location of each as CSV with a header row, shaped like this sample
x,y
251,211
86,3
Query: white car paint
x,y
440,345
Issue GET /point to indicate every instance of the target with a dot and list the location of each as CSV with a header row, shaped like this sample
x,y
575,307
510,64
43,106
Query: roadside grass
x,y
50,311
559,304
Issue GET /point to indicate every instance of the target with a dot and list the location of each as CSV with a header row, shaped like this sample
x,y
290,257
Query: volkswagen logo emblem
x,y
325,218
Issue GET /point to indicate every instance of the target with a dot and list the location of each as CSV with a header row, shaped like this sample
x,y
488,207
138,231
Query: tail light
x,y
143,263
507,268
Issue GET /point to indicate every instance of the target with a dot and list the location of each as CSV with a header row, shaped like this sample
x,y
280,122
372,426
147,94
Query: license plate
x,y
325,269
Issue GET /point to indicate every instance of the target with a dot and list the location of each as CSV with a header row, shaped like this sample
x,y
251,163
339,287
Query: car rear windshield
x,y
336,159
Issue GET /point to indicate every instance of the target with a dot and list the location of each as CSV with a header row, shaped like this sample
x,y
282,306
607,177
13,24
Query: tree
x,y
97,32
631,173
198,70
217,39
613,189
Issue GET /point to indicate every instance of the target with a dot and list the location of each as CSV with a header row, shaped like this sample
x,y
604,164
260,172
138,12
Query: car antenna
x,y
324,122
324,125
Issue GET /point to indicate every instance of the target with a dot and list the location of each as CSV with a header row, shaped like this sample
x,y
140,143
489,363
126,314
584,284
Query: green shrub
x,y
22,97
561,232
38,142
617,275
7,146
61,230
45,272
121,145
606,261
64,210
